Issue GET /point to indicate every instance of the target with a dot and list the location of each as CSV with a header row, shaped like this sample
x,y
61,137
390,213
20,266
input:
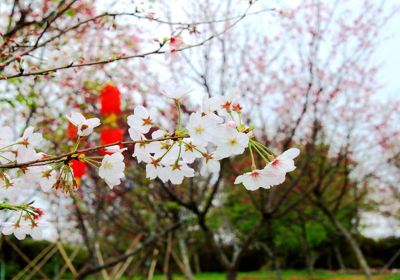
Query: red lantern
x,y
72,131
78,167
110,100
109,135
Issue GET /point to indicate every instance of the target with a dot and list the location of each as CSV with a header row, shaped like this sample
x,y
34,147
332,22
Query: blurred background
x,y
319,75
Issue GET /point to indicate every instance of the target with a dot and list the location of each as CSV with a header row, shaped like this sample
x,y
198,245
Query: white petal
x,y
290,154
76,118
239,179
141,112
93,122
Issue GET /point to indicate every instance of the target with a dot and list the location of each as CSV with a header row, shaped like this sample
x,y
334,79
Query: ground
x,y
288,275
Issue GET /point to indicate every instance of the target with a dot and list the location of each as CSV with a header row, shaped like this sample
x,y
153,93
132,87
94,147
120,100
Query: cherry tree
x,y
304,77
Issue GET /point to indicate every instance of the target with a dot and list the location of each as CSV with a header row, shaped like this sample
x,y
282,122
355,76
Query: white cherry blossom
x,y
282,165
19,227
285,163
176,172
37,229
25,148
255,179
140,153
24,154
6,140
190,152
139,123
211,104
115,149
168,150
112,169
175,92
201,129
230,142
154,169
85,126
42,176
30,139
209,165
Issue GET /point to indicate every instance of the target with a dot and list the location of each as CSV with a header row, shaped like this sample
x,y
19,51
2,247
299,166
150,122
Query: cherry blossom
x,y
139,123
209,165
201,128
225,104
230,142
256,179
30,139
282,165
43,176
273,174
25,150
115,149
154,169
112,169
37,229
190,152
285,163
177,171
22,225
6,141
141,154
175,43
210,105
175,92
24,154
85,126
20,228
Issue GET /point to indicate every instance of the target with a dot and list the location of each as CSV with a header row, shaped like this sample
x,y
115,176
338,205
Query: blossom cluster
x,y
215,132
13,183
26,223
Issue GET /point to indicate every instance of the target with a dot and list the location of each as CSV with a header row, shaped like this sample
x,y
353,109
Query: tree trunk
x,y
231,274
185,258
392,259
339,257
166,270
351,241
310,259
274,259
196,261
278,271
357,252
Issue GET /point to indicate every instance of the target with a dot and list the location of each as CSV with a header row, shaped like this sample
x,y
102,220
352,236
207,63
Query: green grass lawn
x,y
287,275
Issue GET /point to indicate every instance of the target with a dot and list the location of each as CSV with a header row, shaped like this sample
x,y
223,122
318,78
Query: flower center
x,y
189,147
155,163
254,174
199,130
147,121
176,166
83,127
232,142
107,165
276,162
24,142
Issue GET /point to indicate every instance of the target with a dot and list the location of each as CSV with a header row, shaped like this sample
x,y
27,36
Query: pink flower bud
x,y
231,124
